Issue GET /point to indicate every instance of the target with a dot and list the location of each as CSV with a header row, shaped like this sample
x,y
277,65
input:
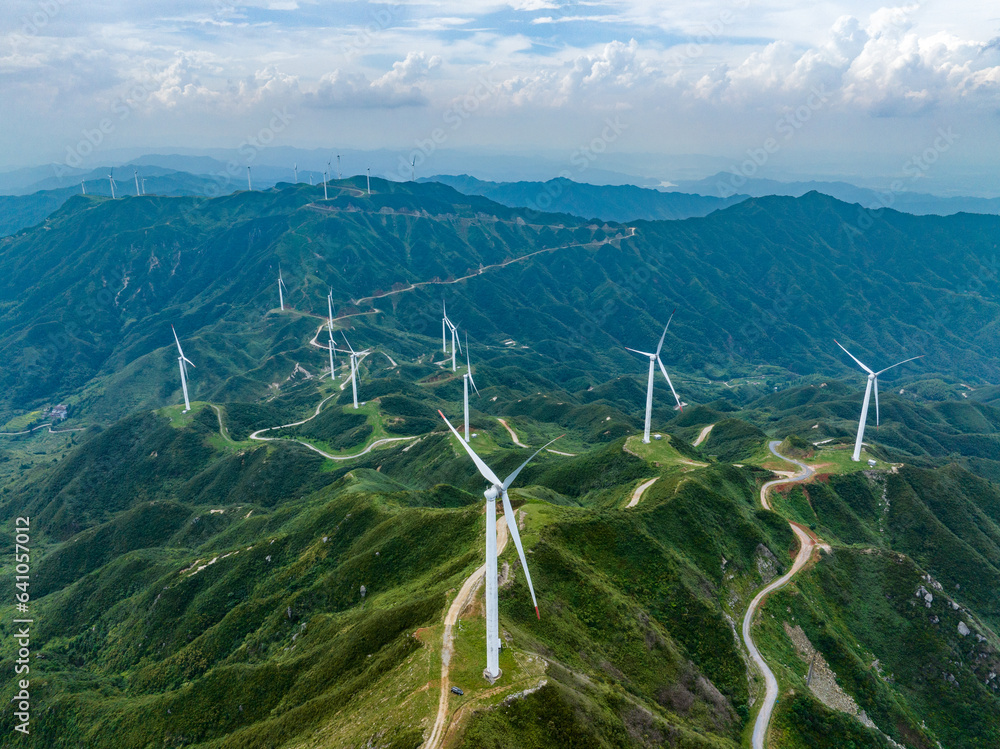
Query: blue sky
x,y
854,83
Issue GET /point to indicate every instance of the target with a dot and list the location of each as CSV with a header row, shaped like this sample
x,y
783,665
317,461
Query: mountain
x,y
729,184
274,568
603,202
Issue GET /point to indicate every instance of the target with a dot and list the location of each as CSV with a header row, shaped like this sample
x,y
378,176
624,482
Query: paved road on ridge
x,y
806,546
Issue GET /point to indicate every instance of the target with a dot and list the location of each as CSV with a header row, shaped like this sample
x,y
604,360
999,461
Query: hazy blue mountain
x,y
604,202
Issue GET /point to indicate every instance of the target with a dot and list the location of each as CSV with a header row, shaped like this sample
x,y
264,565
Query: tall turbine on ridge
x,y
445,320
872,381
338,166
655,359
354,369
329,328
111,179
182,362
325,178
83,186
135,173
249,185
369,180
281,289
496,489
413,169
295,171
467,378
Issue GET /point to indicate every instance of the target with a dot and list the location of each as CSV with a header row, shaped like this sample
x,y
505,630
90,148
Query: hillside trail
x,y
42,426
511,432
807,544
639,491
704,435
462,600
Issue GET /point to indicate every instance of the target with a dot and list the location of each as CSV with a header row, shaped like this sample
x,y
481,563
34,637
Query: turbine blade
x,y
510,479
902,362
664,370
637,351
853,357
660,346
347,342
188,360
178,341
515,535
483,468
473,383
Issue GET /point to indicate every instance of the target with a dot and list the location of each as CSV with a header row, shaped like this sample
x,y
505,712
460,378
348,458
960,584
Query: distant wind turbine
x,y
454,336
111,179
83,186
182,362
653,360
325,178
369,180
249,185
295,171
354,369
467,379
135,174
281,289
872,381
413,169
338,166
143,181
497,488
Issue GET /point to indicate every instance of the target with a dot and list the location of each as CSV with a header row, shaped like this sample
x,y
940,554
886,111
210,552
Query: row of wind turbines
x,y
497,488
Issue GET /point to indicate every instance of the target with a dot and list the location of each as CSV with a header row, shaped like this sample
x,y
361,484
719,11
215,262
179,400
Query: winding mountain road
x,y
639,491
806,546
462,600
704,435
513,434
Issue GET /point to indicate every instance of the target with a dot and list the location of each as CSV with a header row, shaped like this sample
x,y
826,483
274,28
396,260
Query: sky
x,y
768,88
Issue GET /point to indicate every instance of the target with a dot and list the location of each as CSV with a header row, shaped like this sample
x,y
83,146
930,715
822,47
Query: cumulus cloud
x,y
399,87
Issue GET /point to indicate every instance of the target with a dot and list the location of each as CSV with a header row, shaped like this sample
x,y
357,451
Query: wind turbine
x,y
143,181
496,489
325,177
295,171
369,180
454,337
249,185
467,378
329,328
413,169
182,362
83,186
872,381
338,166
281,286
111,179
655,359
354,369
135,174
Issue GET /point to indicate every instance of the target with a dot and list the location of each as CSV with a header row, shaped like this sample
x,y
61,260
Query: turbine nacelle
x,y
491,494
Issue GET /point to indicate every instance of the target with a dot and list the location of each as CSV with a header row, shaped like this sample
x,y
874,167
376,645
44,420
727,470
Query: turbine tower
x,y
143,181
369,180
338,166
413,169
329,328
83,186
325,178
295,171
135,174
653,360
111,179
281,288
182,362
497,489
872,382
249,185
467,379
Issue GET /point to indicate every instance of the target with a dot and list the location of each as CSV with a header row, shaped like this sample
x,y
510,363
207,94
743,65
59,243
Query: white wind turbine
x,y
111,179
413,169
496,489
83,186
338,167
182,362
655,359
872,381
143,180
446,321
354,367
281,289
467,379
249,185
135,174
325,178
369,180
329,327
295,171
